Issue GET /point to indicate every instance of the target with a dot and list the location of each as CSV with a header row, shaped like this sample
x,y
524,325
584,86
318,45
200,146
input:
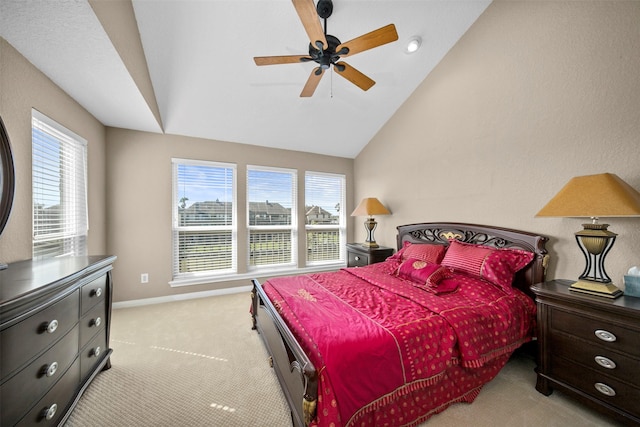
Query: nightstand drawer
x,y
603,387
599,332
595,357
358,260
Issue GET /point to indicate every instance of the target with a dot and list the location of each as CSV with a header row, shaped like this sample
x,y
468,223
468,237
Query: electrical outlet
x,y
144,278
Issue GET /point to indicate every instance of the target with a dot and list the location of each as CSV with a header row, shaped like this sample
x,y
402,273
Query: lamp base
x,y
370,245
607,290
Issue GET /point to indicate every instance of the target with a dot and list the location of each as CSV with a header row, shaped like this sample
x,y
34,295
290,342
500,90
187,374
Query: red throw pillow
x,y
423,251
497,266
422,273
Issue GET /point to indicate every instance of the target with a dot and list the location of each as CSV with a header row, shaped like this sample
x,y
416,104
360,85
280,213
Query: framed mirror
x,y
7,177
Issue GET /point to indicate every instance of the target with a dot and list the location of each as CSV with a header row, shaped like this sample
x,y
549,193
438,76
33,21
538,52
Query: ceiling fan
x,y
326,50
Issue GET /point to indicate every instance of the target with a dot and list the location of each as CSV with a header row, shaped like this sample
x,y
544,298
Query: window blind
x,y
325,220
271,217
59,181
204,218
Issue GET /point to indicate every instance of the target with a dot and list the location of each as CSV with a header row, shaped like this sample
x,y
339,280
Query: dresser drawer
x,y
92,353
624,396
93,293
596,357
55,401
599,332
357,260
30,384
92,322
22,341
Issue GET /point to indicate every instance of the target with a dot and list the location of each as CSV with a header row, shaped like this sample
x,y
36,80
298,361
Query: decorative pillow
x,y
423,273
423,251
497,266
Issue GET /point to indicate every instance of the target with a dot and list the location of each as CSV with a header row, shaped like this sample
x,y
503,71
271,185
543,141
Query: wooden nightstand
x,y
359,256
589,347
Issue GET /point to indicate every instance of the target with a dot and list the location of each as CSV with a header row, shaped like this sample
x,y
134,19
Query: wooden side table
x,y
359,256
589,347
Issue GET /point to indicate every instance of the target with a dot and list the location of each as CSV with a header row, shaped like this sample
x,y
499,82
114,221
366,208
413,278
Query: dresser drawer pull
x,y
96,322
96,352
96,292
605,335
605,362
605,389
50,412
51,326
51,369
357,258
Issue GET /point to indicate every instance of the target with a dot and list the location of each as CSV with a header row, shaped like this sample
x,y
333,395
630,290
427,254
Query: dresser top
x,y
26,279
559,289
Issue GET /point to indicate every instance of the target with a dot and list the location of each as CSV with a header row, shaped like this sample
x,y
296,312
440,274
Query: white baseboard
x,y
180,297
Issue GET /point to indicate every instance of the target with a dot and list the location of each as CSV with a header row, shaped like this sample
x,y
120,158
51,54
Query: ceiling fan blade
x,y
312,82
311,22
354,76
284,59
384,35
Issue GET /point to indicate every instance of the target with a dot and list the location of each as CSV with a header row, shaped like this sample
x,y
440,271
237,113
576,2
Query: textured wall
x,y
535,93
23,87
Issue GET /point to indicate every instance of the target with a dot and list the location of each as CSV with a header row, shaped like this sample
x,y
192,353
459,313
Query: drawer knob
x,y
97,292
605,335
96,322
605,389
605,362
50,412
96,352
357,258
51,369
51,326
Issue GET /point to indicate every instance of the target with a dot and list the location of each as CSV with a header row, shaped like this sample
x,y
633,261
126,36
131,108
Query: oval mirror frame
x,y
7,177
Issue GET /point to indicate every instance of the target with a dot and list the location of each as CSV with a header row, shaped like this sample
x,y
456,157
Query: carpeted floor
x,y
198,363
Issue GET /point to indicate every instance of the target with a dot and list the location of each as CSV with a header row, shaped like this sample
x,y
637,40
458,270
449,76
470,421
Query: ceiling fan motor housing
x,y
327,56
324,8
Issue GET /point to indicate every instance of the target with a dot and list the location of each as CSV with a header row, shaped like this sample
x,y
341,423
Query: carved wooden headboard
x,y
498,237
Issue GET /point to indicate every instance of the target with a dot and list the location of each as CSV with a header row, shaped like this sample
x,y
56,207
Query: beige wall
x,y
140,192
23,87
534,94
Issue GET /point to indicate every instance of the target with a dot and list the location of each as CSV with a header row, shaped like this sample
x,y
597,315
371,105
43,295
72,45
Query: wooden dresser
x,y
590,347
54,336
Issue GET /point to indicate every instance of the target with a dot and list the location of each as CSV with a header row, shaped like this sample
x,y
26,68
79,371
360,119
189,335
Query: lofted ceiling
x,y
186,67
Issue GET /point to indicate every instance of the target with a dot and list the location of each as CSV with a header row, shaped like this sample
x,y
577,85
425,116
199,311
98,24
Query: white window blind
x,y
59,180
204,218
325,220
271,217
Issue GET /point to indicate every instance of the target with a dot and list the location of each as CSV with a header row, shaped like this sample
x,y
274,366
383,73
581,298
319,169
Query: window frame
x,y
341,227
178,277
292,227
71,166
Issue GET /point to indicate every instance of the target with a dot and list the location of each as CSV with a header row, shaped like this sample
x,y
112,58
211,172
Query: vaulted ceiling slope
x,y
186,67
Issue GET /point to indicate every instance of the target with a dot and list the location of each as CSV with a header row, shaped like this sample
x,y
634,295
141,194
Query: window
x,y
59,180
271,216
204,218
325,217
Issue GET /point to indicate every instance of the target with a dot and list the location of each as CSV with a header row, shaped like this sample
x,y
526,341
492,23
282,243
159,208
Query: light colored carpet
x,y
198,363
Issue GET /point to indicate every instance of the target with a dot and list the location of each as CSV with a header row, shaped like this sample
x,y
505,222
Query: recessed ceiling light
x,y
414,44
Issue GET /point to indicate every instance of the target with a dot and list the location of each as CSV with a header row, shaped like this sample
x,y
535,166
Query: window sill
x,y
202,280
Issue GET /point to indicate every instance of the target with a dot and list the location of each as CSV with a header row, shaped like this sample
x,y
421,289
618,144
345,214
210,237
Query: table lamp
x,y
594,196
368,207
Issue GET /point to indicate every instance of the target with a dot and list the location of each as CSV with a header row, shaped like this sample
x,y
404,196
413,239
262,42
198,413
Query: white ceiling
x,y
200,62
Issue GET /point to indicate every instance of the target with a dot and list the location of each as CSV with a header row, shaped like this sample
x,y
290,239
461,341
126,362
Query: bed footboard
x,y
295,372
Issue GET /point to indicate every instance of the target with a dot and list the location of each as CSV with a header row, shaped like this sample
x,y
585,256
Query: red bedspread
x,y
380,344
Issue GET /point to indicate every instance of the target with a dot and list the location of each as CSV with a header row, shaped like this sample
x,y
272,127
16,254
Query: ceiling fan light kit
x,y
326,50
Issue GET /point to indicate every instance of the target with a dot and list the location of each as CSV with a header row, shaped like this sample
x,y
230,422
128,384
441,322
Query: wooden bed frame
x,y
297,375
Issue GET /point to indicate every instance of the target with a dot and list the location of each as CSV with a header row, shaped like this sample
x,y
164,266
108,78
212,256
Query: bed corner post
x,y
254,305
